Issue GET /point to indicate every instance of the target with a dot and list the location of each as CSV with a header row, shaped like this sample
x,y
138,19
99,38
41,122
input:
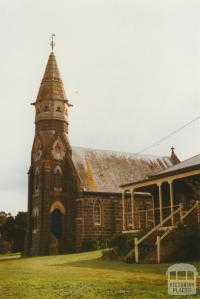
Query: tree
x,y
5,227
20,222
12,232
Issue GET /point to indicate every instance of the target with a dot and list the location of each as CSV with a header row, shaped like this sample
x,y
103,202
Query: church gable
x,y
105,171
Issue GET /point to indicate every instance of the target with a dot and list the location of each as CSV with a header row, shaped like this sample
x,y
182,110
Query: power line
x,y
168,136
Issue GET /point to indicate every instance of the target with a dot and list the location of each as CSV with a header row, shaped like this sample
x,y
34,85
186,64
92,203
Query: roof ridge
x,y
175,167
189,158
120,152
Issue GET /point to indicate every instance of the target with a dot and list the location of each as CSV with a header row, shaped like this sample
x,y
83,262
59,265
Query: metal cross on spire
x,y
52,43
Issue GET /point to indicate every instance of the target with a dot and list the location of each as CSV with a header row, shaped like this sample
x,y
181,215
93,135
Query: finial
x,y
52,43
174,158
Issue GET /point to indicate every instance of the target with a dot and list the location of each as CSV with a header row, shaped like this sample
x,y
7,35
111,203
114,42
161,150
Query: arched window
x,y
36,179
58,177
97,213
35,215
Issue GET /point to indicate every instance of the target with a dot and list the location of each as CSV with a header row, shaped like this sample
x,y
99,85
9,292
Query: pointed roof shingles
x,y
51,87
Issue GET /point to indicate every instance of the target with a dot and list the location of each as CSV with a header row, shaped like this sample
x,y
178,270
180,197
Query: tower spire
x,y
52,103
51,86
51,167
52,43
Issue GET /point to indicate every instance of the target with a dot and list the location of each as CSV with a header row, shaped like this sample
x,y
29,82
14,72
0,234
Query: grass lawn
x,y
82,275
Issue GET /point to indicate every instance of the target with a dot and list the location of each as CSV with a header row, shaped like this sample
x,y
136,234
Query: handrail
x,y
139,214
160,238
163,208
165,234
137,242
190,210
183,217
156,227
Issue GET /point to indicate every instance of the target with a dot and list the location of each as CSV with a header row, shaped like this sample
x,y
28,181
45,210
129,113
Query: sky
x,y
131,69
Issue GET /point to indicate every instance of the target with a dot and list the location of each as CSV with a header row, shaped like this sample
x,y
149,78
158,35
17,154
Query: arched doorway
x,y
56,223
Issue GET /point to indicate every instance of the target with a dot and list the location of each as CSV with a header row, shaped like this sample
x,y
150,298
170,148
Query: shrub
x,y
184,244
5,246
109,254
88,245
122,243
96,243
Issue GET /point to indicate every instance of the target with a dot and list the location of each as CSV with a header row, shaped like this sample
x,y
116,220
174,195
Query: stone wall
x,y
111,222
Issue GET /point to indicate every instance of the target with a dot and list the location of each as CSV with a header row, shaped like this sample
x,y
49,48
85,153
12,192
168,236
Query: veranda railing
x,y
177,210
170,229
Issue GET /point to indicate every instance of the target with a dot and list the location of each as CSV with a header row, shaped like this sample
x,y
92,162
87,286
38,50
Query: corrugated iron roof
x,y
105,170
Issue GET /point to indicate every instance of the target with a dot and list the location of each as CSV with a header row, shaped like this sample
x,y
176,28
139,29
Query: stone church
x,y
74,192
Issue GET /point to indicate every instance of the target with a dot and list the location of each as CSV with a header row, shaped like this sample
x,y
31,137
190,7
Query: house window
x,y
97,213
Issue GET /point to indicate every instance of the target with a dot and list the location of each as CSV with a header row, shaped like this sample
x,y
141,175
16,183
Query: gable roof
x,y
191,163
105,170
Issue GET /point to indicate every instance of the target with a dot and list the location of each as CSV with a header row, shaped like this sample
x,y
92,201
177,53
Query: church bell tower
x,y
53,182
